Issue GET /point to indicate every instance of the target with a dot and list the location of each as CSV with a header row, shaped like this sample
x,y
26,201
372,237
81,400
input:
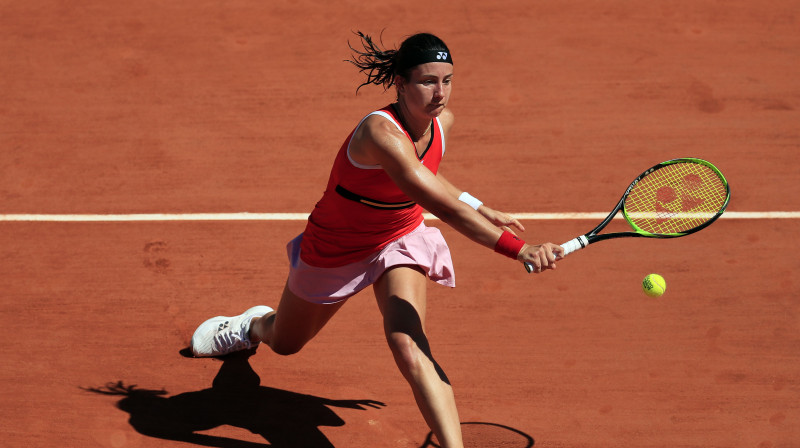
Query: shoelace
x,y
228,339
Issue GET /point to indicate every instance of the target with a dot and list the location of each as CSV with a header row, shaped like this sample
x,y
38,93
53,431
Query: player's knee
x,y
285,349
406,352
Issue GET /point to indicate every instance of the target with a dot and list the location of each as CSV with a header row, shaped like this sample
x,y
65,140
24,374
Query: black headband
x,y
415,58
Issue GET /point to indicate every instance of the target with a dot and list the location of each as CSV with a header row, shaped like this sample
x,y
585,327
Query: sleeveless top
x,y
362,210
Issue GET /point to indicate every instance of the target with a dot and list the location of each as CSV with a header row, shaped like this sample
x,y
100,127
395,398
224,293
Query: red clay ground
x,y
113,107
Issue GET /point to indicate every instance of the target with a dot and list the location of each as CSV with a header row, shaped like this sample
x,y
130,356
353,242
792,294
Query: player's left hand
x,y
500,219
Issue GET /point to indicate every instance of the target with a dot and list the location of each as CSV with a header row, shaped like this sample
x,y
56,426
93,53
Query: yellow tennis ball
x,y
654,285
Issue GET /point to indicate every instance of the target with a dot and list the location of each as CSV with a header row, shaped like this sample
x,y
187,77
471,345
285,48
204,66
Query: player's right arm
x,y
378,142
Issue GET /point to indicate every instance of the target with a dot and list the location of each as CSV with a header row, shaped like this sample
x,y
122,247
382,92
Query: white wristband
x,y
470,200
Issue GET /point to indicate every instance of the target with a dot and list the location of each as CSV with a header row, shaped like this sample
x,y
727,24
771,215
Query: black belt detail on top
x,y
347,194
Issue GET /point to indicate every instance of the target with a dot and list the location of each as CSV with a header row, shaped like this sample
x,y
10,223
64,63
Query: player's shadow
x,y
283,418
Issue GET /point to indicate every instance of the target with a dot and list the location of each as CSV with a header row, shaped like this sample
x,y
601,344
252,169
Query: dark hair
x,y
381,66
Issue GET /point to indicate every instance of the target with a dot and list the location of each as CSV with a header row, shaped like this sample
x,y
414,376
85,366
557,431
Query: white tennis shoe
x,y
221,335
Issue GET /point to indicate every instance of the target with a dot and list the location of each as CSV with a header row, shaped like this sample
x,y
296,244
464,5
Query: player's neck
x,y
416,129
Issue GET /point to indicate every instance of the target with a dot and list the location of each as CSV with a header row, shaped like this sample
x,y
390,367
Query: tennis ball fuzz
x,y
654,285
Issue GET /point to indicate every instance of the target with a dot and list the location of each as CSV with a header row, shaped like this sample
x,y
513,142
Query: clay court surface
x,y
115,108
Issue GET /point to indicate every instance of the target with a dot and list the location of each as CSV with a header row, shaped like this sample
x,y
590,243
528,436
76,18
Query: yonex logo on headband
x,y
418,57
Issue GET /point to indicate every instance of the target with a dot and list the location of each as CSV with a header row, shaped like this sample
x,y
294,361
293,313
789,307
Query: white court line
x,y
147,217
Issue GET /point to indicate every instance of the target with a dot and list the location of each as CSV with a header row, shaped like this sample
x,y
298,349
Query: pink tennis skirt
x,y
424,247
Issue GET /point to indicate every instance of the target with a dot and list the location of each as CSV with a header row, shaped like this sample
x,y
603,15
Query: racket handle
x,y
569,247
574,244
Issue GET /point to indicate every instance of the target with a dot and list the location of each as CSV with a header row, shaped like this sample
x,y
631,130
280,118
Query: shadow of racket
x,y
483,434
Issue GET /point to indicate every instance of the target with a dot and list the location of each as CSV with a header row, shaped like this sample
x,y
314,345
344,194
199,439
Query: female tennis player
x,y
368,229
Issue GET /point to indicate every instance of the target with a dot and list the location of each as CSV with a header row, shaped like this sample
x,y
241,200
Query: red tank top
x,y
362,210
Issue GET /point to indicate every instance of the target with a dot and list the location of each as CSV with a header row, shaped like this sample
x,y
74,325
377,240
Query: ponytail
x,y
374,62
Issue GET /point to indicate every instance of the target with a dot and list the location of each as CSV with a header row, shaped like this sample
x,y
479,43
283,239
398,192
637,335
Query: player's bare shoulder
x,y
375,134
378,127
446,118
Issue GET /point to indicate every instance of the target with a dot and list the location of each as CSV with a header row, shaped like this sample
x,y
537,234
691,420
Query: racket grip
x,y
574,244
569,247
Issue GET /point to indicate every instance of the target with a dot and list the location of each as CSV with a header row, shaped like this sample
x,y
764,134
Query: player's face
x,y
427,89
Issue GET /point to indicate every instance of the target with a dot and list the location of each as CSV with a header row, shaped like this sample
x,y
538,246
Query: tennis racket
x,y
672,199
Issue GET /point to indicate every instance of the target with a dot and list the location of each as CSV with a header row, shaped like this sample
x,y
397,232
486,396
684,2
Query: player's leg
x,y
401,296
286,331
295,323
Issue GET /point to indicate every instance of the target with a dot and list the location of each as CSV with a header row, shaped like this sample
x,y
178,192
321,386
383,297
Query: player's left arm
x,y
500,219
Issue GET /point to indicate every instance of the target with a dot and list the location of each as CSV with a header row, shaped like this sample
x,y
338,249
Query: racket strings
x,y
676,198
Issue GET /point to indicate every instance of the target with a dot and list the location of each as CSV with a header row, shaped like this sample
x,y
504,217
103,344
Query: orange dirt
x,y
181,107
